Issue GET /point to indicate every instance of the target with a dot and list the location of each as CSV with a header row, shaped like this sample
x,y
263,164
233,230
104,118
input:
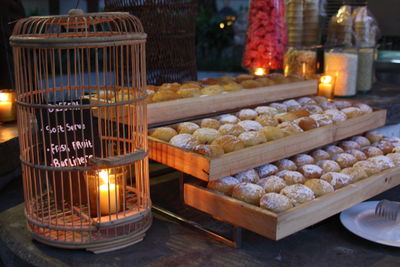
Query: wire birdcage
x,y
80,82
171,26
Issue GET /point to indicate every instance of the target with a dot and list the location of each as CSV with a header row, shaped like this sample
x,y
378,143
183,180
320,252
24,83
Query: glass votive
x,y
326,86
8,111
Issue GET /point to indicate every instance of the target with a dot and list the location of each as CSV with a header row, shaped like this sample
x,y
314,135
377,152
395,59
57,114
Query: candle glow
x,y
259,72
326,86
109,194
7,106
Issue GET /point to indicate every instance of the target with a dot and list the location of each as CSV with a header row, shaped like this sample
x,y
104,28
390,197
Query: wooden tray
x,y
277,226
169,111
210,169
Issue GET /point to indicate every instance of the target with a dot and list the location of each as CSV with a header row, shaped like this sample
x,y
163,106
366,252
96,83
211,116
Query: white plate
x,y
362,221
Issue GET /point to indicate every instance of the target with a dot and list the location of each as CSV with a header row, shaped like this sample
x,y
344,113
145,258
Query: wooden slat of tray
x,y
195,106
210,169
277,226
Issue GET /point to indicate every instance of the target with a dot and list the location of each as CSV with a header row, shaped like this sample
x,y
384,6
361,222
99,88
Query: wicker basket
x,y
170,47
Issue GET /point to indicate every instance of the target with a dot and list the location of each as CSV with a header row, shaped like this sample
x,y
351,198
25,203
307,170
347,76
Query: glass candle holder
x,y
8,111
326,86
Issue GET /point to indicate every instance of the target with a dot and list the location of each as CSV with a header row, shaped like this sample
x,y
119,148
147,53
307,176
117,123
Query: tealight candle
x,y
260,72
326,86
108,193
7,106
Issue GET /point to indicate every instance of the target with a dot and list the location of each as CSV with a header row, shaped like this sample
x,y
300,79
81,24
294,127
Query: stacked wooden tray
x,y
207,169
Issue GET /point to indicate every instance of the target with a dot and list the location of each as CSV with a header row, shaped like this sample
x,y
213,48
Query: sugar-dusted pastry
x,y
272,184
281,108
352,112
319,187
265,110
187,127
265,81
275,202
209,81
185,141
374,136
249,125
212,90
361,140
190,85
231,129
249,84
319,99
325,105
341,104
252,138
293,177
188,92
355,173
348,144
320,154
266,120
266,170
211,151
169,86
290,128
229,143
385,146
313,109
248,176
149,97
292,115
395,158
164,95
244,77
358,154
336,115
306,101
210,123
292,105
272,133
286,164
329,166
298,193
382,162
306,123
226,79
344,160
163,133
228,118
369,167
371,151
322,119
311,171
232,86
364,108
247,114
206,135
248,192
337,179
224,185
332,149
302,159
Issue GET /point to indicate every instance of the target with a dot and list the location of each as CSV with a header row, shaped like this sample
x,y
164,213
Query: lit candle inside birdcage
x,y
260,72
7,106
108,193
326,86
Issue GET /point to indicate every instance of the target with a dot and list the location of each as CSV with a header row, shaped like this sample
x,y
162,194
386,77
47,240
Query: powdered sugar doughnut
x,y
311,171
320,154
252,138
395,158
185,141
230,129
382,162
355,173
358,154
313,109
224,185
187,127
319,99
248,192
364,108
290,128
266,120
266,170
247,114
206,135
337,179
298,193
306,100
329,166
210,123
249,176
352,112
369,167
228,118
265,110
322,119
345,160
286,164
302,159
275,202
249,125
385,146
319,187
292,177
292,105
332,150
272,184
336,115
371,151
361,140
342,104
279,107
327,105
163,133
374,136
347,145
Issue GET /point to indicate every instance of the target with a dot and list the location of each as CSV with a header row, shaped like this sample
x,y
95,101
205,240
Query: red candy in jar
x,y
266,35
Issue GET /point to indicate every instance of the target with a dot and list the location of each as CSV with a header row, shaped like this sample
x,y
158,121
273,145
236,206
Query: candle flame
x,y
4,97
326,79
259,71
103,174
222,25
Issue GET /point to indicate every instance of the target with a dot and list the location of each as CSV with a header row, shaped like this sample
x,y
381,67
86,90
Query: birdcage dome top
x,y
77,29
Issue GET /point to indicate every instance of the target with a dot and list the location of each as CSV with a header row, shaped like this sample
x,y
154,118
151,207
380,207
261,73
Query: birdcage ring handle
x,y
118,160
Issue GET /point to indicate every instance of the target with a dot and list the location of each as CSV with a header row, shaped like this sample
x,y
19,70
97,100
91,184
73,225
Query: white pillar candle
x,y
108,193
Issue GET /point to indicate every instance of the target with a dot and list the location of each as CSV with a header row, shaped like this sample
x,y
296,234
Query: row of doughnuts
x,y
290,182
214,137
